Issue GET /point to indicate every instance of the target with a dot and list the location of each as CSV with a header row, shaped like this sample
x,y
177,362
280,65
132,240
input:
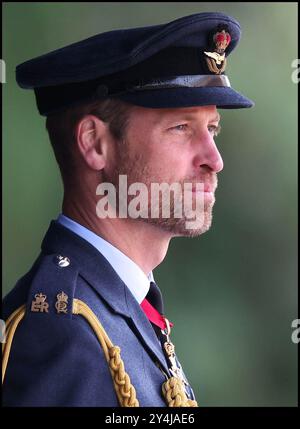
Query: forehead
x,y
160,116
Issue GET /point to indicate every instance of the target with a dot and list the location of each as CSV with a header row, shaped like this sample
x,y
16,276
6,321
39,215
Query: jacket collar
x,y
131,274
97,271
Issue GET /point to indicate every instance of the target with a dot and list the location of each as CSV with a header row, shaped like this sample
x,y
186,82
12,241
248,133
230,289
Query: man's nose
x,y
209,156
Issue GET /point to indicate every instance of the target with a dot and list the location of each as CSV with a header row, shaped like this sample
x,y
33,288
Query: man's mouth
x,y
207,188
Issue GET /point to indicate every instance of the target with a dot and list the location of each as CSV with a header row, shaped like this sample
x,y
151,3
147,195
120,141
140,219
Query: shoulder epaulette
x,y
53,287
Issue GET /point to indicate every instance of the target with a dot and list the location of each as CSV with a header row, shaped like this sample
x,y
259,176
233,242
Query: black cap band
x,y
189,81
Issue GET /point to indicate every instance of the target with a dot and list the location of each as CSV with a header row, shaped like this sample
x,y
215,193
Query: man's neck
x,y
143,243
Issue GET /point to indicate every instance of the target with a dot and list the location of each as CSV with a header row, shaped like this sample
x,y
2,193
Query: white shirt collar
x,y
132,275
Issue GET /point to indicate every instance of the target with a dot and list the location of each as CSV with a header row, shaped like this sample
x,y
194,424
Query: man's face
x,y
172,146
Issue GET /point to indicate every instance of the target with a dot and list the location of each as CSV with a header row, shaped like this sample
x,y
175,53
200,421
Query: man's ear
x,y
92,137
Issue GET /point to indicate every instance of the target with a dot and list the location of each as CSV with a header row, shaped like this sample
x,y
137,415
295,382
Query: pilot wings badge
x,y
216,60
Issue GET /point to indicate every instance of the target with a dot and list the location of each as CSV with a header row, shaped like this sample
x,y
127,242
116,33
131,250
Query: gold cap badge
x,y
216,60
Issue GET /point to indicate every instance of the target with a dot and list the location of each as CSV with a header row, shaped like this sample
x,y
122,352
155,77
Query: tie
x,y
154,296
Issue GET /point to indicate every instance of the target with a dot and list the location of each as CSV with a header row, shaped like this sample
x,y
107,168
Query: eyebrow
x,y
186,117
217,118
191,116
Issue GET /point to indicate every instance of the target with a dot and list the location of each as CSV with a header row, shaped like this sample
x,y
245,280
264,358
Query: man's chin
x,y
192,232
183,227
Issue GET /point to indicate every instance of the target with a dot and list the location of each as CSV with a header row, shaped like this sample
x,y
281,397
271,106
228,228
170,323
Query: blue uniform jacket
x,y
56,359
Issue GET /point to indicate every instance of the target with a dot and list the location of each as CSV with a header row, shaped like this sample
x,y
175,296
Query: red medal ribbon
x,y
153,315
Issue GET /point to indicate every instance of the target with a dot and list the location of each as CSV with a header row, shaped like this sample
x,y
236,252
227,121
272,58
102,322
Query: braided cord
x,y
174,393
172,389
11,326
124,389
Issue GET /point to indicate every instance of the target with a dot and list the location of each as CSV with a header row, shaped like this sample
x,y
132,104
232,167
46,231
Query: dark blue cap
x,y
178,64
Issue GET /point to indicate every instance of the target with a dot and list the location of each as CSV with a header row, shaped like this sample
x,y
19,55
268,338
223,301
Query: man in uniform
x,y
86,325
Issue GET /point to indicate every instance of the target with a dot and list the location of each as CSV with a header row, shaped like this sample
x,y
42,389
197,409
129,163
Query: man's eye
x,y
214,129
181,127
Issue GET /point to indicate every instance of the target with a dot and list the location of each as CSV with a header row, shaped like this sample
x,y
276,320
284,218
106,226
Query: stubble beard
x,y
138,171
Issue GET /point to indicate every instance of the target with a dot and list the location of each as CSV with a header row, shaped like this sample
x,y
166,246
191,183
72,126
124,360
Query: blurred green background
x,y
232,293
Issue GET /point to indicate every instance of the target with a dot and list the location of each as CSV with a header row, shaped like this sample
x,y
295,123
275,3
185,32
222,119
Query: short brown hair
x,y
61,128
